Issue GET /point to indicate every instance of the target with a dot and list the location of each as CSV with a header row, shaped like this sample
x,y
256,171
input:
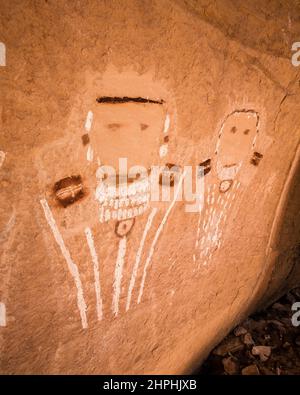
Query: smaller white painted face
x,y
235,142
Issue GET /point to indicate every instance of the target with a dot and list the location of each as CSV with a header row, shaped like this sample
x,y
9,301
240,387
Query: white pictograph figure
x,y
114,129
234,150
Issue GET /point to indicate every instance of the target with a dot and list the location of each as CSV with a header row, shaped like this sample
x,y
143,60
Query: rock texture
x,y
69,304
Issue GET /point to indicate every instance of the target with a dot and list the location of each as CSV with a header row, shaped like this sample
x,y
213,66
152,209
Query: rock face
x,y
96,279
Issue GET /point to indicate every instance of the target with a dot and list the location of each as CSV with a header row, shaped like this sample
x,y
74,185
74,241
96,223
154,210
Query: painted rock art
x,y
116,181
234,151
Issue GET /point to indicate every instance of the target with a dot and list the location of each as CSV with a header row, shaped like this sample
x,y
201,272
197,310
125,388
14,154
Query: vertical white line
x,y
88,122
139,255
166,124
71,265
90,154
2,314
118,275
160,228
91,244
2,54
2,158
198,232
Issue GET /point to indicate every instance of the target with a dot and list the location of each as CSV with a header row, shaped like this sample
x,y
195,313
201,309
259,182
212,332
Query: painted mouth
x,y
123,202
227,171
230,165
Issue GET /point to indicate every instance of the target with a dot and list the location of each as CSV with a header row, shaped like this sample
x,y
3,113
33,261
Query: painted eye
x,y
205,166
144,126
247,131
114,126
233,129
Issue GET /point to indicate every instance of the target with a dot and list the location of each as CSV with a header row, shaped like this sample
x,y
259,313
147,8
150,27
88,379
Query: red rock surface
x,y
222,72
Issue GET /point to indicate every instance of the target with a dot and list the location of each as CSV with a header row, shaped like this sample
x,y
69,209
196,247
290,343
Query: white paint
x,y
138,256
157,234
90,154
227,173
71,265
198,235
2,314
218,145
2,158
163,150
118,275
2,54
91,244
136,195
89,121
167,124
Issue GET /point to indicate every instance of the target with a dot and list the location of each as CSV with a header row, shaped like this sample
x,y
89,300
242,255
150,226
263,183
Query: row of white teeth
x,y
124,202
104,191
121,214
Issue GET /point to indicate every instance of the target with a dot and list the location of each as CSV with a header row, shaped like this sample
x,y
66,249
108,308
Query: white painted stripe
x,y
2,54
167,124
163,150
198,233
90,154
71,265
91,244
118,275
158,232
139,255
2,314
2,158
88,121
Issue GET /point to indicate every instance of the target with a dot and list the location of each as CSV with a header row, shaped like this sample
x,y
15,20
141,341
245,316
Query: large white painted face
x,y
127,130
129,133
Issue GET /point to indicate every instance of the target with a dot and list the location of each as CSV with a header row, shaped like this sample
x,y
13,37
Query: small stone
x,y
279,307
278,324
248,339
262,351
251,370
291,298
267,372
230,366
296,292
229,345
239,331
286,345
